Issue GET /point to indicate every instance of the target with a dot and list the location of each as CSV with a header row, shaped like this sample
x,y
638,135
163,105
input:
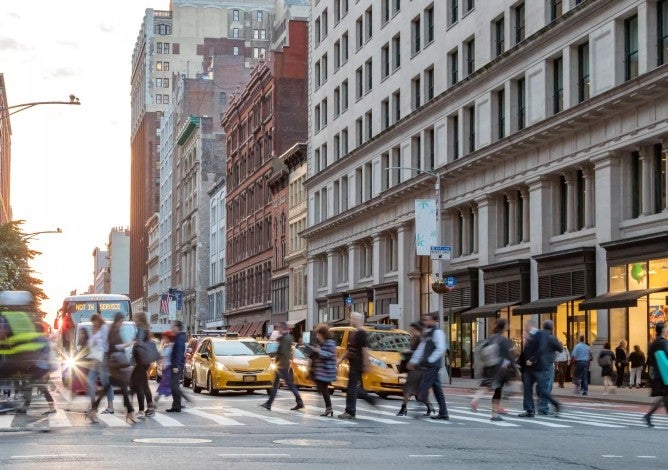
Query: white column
x,y
378,259
407,286
512,217
474,214
590,208
524,194
571,202
541,223
332,277
487,230
353,264
464,215
646,176
311,319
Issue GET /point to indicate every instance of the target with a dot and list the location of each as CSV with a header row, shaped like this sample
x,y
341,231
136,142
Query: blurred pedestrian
x,y
659,387
550,346
428,356
606,358
357,355
98,347
412,376
165,387
581,355
40,377
119,371
621,361
177,360
562,360
323,364
140,372
282,361
637,363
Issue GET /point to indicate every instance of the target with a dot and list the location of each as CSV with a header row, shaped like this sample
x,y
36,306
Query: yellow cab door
x,y
200,364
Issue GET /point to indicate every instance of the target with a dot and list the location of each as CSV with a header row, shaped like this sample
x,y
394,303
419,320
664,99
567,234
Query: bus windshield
x,y
82,310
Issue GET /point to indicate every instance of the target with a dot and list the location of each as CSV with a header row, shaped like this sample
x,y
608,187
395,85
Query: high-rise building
x,y
168,43
118,249
545,121
5,155
101,275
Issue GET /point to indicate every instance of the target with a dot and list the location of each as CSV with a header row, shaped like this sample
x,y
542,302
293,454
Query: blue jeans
x,y
547,378
100,370
581,375
284,373
431,380
529,378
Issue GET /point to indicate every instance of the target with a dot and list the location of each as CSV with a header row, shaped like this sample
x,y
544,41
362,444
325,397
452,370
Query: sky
x,y
70,164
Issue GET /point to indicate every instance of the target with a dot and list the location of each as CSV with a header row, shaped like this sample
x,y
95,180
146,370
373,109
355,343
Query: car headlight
x,y
375,362
272,366
303,369
222,366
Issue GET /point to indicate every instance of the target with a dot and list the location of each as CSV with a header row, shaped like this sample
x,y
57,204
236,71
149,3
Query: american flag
x,y
164,304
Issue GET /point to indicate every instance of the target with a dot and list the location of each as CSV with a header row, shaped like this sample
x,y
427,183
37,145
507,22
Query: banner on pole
x,y
425,226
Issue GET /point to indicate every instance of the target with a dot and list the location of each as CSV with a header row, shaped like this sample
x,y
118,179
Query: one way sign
x,y
443,253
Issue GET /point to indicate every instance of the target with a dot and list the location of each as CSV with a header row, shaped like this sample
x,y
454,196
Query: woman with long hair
x,y
118,371
140,372
323,363
413,376
98,346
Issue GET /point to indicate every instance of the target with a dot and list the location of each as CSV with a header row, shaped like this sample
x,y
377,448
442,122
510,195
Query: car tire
x,y
209,386
196,389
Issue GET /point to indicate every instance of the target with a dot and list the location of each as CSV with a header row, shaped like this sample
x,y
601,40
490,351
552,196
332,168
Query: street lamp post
x,y
29,236
23,106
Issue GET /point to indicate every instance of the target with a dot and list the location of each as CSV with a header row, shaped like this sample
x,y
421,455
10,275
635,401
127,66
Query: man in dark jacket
x,y
550,347
659,388
283,358
178,361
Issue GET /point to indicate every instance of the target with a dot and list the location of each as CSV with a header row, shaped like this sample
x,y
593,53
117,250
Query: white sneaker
x,y
140,415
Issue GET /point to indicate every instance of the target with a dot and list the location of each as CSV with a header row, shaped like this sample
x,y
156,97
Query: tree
x,y
15,256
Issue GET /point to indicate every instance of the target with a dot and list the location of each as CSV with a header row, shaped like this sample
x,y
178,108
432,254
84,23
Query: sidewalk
x,y
622,395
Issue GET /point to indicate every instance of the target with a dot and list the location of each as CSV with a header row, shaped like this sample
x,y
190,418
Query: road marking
x,y
612,456
307,415
254,455
373,418
166,421
646,456
481,420
45,456
526,420
6,421
427,456
565,417
626,421
236,412
213,417
113,421
59,420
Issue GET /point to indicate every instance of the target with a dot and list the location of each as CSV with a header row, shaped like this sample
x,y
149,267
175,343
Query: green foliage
x,y
15,256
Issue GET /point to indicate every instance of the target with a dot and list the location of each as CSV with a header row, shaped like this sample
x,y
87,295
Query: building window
x,y
396,52
396,6
317,75
165,66
235,15
660,185
344,141
316,118
158,99
499,36
453,63
519,23
415,35
259,16
429,83
385,114
468,5
368,68
636,185
325,23
344,48
430,148
235,50
359,128
385,61
369,124
662,18
344,95
557,85
583,72
158,65
337,147
454,133
324,113
337,101
415,90
429,24
324,62
521,104
359,82
580,198
158,82
556,7
368,19
256,34
396,105
471,127
359,29
501,114
165,99
631,47
222,98
337,55
563,205
453,10
470,56
235,32
158,48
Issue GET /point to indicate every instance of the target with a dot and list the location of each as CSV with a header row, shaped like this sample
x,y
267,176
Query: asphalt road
x,y
232,431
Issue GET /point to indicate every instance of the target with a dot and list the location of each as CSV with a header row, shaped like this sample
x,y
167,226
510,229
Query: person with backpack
x,y
605,360
496,360
659,386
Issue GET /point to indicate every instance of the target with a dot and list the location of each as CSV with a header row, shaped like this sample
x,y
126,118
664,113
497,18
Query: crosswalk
x,y
245,412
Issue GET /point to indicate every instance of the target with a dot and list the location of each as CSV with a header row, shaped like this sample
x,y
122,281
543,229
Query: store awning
x,y
377,318
488,310
339,322
618,299
234,328
544,305
255,328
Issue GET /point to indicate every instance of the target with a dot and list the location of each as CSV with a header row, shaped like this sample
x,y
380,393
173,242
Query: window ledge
x,y
451,25
428,44
415,53
644,224
585,234
512,249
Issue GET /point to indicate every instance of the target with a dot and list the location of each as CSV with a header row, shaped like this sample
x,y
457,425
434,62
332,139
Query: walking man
x,y
549,348
283,357
581,354
659,388
358,361
428,356
562,359
178,361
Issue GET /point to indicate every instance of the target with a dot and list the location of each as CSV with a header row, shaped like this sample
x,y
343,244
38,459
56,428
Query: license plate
x,y
249,378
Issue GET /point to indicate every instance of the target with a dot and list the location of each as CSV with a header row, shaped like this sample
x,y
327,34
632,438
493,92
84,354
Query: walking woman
x,y
659,387
621,361
605,359
165,387
119,371
413,376
98,346
140,372
323,363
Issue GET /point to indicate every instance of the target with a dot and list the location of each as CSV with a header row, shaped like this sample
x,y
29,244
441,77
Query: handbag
x,y
95,354
662,365
146,352
118,360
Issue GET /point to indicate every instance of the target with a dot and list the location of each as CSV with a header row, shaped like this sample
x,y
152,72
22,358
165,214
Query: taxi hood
x,y
245,362
388,357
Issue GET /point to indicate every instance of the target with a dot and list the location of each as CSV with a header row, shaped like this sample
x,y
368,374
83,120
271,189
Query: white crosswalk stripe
x,y
112,421
236,412
59,420
519,420
167,421
222,420
6,421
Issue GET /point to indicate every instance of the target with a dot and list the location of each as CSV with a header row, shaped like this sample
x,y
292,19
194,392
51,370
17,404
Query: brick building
x,y
261,123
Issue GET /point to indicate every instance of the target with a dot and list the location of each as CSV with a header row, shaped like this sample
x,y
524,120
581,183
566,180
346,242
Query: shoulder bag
x,y
146,352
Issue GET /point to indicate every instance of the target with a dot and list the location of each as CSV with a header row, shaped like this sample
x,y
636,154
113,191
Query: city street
x,y
233,430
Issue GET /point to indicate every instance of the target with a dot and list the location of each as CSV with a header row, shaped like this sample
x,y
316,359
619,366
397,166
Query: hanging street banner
x,y
425,226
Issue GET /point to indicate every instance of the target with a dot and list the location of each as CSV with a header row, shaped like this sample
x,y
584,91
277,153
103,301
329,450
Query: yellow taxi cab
x,y
385,346
231,362
299,368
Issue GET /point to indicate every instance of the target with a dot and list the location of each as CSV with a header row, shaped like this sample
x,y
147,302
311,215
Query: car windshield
x,y
389,341
238,348
271,347
299,354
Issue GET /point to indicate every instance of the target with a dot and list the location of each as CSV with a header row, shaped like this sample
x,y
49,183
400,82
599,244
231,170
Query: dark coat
x,y
659,389
178,358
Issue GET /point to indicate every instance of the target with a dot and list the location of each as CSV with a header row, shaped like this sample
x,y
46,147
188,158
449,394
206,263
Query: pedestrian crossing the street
x,y
237,411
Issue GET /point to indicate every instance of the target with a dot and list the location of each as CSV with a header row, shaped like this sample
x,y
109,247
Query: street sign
x,y
349,301
450,282
441,253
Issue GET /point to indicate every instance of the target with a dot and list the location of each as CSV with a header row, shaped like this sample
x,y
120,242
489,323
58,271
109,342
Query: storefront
x,y
637,296
384,296
463,297
565,278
